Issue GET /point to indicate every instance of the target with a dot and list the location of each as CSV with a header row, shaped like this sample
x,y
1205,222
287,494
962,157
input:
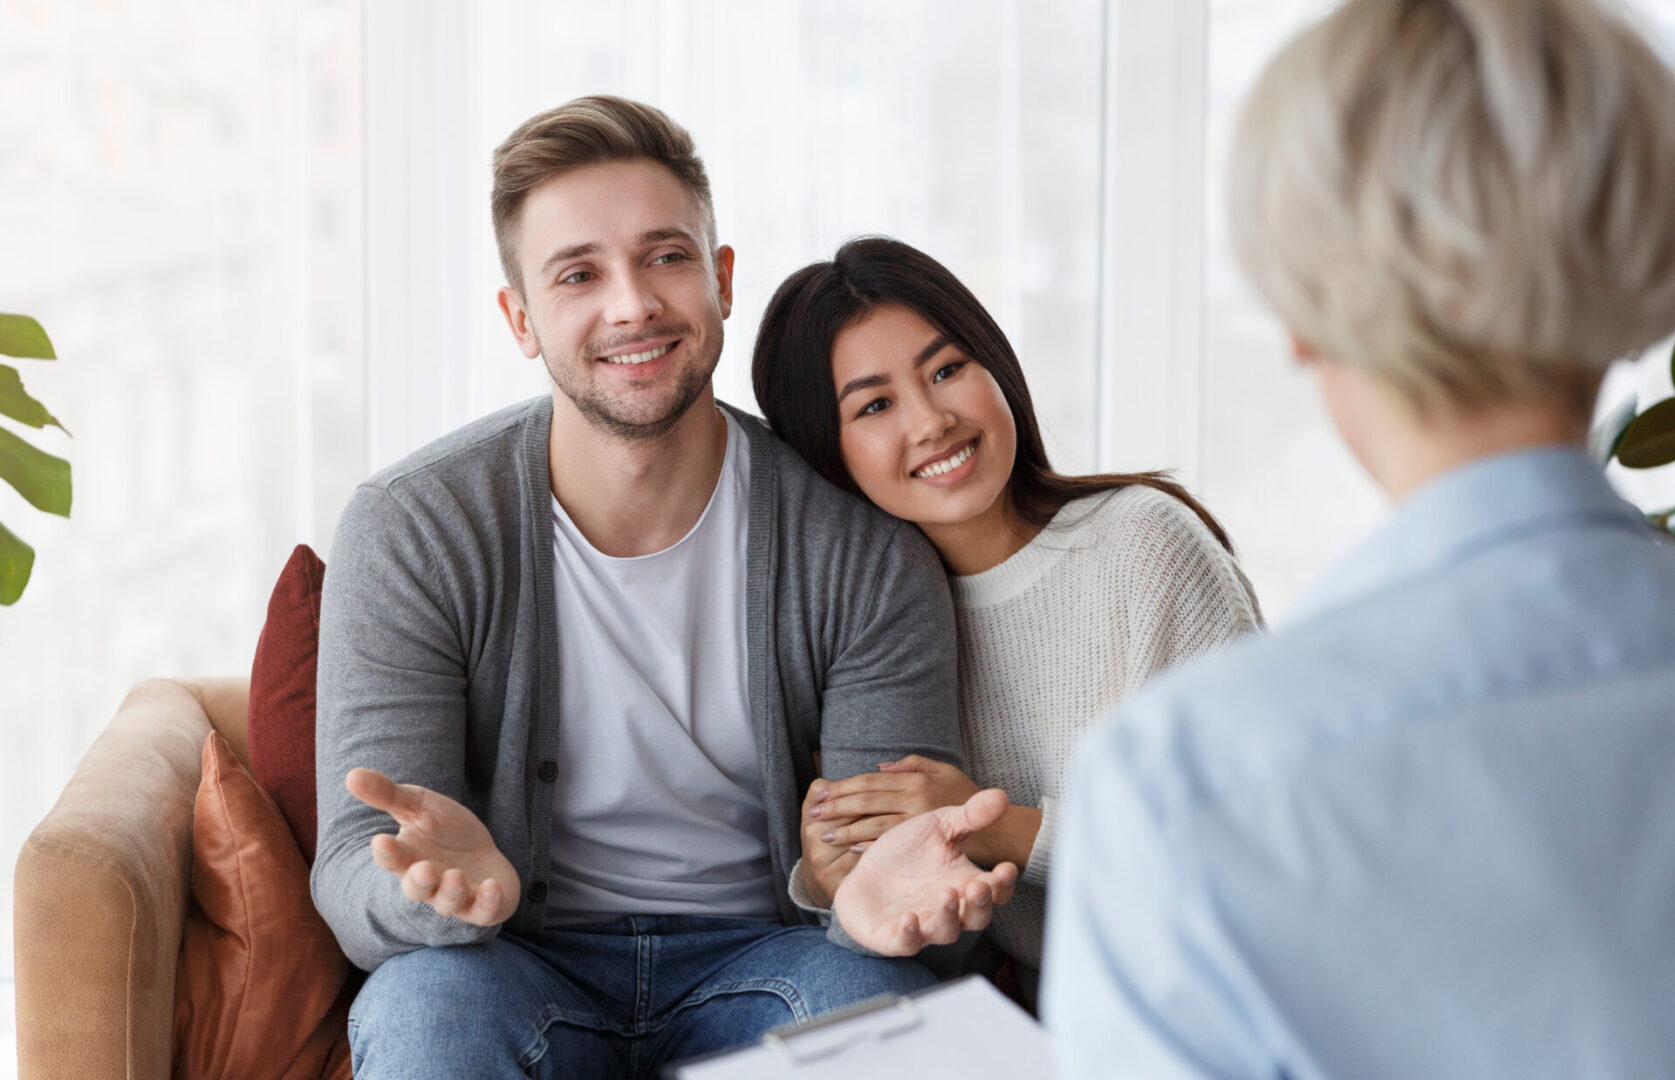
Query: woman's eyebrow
x,y
930,350
937,345
862,383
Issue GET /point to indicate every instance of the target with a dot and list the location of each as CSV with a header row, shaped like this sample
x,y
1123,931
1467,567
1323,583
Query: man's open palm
x,y
443,854
914,886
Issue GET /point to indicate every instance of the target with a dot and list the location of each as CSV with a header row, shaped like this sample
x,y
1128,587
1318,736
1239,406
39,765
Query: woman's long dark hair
x,y
792,368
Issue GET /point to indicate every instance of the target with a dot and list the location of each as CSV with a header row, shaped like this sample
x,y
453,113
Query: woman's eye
x,y
877,405
946,371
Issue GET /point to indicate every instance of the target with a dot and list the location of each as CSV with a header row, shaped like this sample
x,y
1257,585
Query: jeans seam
x,y
355,1056
783,989
645,951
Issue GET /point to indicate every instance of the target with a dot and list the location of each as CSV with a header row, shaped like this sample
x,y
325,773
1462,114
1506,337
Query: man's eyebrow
x,y
657,236
575,251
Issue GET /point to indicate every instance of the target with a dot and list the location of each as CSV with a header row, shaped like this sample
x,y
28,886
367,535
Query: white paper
x,y
961,1030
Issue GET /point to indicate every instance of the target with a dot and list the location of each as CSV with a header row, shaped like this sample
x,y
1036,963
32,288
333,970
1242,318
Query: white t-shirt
x,y
658,801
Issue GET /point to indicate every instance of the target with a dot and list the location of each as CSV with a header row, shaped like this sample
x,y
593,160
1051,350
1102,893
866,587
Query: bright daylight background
x,y
258,234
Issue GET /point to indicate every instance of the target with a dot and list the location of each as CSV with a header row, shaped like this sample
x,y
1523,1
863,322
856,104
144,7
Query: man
x,y
589,651
1428,829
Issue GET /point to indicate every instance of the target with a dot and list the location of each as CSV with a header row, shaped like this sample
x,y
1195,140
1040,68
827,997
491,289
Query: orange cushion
x,y
261,987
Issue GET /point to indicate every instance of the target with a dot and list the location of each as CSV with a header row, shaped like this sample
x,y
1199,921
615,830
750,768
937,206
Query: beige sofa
x,y
103,883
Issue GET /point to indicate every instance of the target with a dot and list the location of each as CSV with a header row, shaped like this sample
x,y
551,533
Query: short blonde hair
x,y
1473,200
588,131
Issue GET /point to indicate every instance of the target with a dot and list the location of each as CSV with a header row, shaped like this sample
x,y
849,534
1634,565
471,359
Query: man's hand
x,y
914,887
443,854
824,865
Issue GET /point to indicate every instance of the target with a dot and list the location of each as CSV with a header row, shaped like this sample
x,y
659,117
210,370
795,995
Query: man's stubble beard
x,y
597,408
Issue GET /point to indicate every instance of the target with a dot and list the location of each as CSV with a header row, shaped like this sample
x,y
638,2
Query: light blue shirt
x,y
1425,831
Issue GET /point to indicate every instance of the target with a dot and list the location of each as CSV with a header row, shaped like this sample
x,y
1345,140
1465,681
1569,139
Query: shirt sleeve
x,y
1040,864
1181,594
1184,593
391,697
1135,982
891,690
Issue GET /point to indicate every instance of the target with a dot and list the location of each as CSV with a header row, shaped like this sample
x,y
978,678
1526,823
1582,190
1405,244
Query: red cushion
x,y
260,991
281,730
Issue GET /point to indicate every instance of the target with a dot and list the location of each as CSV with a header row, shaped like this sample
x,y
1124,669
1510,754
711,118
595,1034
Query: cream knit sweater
x,y
1118,587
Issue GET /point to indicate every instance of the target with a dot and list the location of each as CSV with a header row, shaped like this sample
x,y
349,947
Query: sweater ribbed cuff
x,y
1041,855
799,896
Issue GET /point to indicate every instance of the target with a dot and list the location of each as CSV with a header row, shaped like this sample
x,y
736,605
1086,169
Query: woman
x,y
895,384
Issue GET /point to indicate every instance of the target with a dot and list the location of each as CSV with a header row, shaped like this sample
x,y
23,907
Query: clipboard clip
x,y
873,1020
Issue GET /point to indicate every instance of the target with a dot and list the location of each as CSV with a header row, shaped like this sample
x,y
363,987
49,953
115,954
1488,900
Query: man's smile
x,y
642,357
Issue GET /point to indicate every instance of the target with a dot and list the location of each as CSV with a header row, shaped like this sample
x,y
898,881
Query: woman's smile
x,y
951,467
924,429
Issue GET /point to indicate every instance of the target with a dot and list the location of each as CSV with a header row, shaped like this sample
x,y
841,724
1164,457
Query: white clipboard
x,y
959,1029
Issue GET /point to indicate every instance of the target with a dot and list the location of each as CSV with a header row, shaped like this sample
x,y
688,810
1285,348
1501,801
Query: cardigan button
x,y
548,771
537,892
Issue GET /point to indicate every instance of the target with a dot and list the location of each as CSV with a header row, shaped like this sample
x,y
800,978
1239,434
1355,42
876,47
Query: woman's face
x,y
924,429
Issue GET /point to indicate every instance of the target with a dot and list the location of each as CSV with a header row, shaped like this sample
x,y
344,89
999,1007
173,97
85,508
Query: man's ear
x,y
724,278
517,317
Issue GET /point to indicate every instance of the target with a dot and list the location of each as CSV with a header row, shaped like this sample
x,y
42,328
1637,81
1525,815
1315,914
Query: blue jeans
x,y
622,998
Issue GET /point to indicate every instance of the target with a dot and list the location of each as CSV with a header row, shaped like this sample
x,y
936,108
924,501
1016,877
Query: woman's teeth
x,y
638,357
948,464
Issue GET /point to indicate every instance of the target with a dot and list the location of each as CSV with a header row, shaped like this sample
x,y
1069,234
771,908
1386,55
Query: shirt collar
x,y
1483,502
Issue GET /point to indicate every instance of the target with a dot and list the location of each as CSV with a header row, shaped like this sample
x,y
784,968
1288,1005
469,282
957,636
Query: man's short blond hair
x,y
1473,200
588,131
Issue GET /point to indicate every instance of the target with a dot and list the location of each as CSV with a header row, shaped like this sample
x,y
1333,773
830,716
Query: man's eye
x,y
578,278
946,371
877,405
671,257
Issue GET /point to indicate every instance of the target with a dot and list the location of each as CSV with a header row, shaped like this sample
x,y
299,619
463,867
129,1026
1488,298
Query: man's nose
x,y
631,299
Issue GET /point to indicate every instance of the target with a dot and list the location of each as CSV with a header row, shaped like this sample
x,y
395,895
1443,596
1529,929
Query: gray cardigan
x,y
438,653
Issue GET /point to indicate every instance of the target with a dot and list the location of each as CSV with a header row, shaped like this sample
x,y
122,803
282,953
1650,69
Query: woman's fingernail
x,y
885,764
862,846
814,811
820,796
826,838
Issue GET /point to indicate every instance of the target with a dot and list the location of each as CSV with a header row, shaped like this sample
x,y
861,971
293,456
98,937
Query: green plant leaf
x,y
17,559
1604,439
1650,440
22,336
38,476
16,403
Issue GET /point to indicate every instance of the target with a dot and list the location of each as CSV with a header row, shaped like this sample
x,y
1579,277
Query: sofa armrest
x,y
101,894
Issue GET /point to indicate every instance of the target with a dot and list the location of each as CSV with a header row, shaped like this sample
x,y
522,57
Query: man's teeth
x,y
948,464
638,357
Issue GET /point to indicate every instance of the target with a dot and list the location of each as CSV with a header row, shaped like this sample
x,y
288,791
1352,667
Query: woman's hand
x,y
856,811
853,812
824,865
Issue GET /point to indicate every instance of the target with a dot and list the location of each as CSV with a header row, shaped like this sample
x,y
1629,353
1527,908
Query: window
x,y
182,213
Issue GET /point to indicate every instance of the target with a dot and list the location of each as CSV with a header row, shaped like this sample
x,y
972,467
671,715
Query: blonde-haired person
x,y
1427,828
